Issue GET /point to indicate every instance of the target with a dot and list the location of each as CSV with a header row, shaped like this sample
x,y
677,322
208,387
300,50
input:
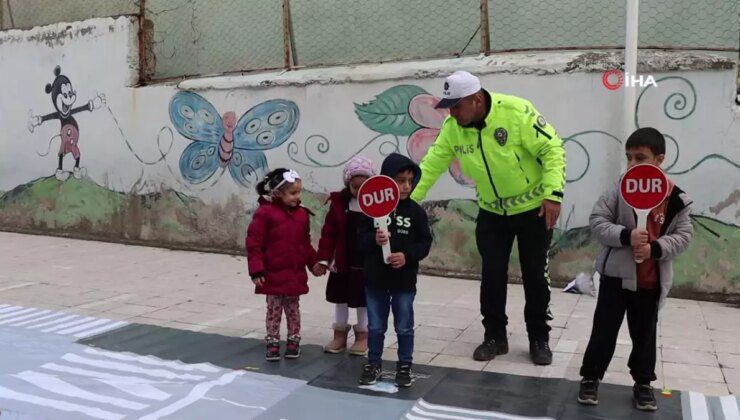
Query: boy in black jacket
x,y
392,286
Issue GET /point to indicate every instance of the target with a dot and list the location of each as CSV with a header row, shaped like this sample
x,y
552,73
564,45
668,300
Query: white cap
x,y
457,86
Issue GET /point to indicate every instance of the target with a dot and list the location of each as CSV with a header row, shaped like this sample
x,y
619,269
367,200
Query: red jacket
x,y
332,246
279,249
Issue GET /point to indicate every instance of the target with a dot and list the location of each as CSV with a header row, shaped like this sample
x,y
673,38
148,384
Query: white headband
x,y
288,176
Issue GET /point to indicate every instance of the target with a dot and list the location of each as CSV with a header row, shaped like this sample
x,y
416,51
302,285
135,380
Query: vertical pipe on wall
x,y
630,64
142,42
485,35
288,51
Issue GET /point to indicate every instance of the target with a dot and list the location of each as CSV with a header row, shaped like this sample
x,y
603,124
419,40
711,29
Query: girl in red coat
x,y
339,249
278,252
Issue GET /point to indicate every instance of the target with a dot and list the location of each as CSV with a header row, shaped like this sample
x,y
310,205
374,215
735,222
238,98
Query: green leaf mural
x,y
389,112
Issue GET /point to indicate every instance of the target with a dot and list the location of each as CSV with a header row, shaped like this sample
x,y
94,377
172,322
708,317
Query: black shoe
x,y
490,349
540,352
589,392
370,374
403,375
273,351
293,348
642,395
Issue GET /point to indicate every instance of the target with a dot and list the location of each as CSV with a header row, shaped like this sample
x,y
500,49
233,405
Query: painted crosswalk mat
x,y
56,365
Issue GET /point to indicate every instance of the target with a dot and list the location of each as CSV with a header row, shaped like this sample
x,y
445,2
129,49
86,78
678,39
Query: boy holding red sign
x,y
639,289
391,285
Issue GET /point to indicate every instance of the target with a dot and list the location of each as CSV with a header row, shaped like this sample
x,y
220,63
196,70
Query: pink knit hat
x,y
358,165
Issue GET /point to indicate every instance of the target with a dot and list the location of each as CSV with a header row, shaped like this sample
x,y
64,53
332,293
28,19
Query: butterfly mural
x,y
219,142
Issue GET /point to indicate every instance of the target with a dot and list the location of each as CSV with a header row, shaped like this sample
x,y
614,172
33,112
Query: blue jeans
x,y
379,304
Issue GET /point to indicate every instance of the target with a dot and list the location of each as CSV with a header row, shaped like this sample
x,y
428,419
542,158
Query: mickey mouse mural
x,y
63,96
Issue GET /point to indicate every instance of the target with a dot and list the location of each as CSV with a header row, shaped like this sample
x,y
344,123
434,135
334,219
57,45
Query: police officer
x,y
517,162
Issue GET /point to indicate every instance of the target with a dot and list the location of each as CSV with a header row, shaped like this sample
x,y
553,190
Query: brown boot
x,y
339,342
359,348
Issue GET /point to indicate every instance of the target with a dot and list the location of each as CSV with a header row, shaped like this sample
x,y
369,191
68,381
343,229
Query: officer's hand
x,y
551,211
397,259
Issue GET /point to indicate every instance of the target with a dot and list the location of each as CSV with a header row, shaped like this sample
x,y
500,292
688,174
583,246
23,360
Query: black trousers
x,y
494,236
642,319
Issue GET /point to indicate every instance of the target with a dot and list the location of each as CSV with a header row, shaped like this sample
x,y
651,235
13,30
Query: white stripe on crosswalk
x,y
413,417
9,394
133,385
151,361
10,309
57,386
67,324
198,392
457,411
33,320
52,322
33,315
104,328
16,313
123,367
729,407
698,406
82,327
4,305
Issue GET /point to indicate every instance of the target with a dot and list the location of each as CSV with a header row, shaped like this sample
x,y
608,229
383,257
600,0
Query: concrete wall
x,y
131,186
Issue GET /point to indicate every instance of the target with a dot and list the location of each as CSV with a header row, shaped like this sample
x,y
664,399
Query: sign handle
x,y
381,223
642,216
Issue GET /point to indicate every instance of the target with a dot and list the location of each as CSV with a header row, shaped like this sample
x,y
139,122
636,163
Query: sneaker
x,y
293,348
490,349
589,392
403,375
370,374
642,395
273,351
540,352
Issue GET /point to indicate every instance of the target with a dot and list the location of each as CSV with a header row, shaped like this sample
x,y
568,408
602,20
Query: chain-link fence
x,y
566,24
691,24
30,13
199,37
329,32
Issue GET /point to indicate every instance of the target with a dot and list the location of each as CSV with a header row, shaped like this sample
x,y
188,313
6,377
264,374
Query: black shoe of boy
x,y
273,351
540,352
490,349
293,348
588,394
642,395
370,374
403,375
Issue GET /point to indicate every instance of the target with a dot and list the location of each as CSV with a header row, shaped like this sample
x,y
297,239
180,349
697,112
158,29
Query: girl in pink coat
x,y
339,249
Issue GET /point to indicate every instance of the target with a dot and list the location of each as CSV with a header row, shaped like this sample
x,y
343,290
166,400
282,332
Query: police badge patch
x,y
541,121
501,135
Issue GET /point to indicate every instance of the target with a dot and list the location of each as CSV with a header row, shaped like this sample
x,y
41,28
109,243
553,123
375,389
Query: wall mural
x,y
402,117
220,142
63,98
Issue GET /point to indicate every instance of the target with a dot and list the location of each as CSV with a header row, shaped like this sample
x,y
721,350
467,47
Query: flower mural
x,y
408,110
423,112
